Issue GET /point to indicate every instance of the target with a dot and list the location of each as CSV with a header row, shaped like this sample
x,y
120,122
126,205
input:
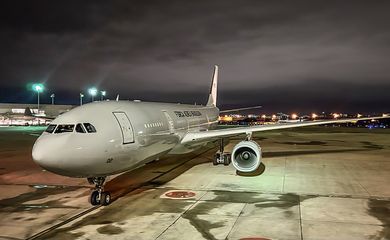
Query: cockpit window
x,y
50,128
79,128
64,128
90,128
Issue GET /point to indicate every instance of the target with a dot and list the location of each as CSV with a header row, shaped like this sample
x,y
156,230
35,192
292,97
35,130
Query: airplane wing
x,y
219,133
239,109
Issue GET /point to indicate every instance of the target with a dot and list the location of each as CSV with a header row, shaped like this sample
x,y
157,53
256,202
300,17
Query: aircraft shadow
x,y
160,172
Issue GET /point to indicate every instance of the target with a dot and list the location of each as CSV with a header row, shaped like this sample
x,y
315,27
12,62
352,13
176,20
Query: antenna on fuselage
x,y
117,98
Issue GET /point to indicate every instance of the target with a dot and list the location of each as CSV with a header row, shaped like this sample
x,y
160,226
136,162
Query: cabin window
x,y
196,113
50,128
64,128
90,128
179,114
79,128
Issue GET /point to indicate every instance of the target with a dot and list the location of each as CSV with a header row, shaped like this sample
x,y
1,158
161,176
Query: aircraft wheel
x,y
106,198
215,162
226,159
215,159
94,198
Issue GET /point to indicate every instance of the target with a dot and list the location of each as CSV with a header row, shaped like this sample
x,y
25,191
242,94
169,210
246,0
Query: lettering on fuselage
x,y
188,113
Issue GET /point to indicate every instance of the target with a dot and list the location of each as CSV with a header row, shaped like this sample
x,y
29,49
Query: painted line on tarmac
x,y
52,228
79,215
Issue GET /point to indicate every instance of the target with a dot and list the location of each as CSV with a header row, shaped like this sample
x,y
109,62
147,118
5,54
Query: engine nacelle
x,y
246,156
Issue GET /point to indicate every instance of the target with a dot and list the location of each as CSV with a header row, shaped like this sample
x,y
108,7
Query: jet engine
x,y
246,156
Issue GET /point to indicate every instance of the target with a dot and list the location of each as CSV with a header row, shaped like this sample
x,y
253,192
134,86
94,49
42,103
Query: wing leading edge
x,y
200,136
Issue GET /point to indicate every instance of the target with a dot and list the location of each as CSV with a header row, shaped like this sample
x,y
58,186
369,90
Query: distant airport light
x,y
81,99
102,95
52,98
92,92
294,116
38,87
263,116
314,116
274,117
226,118
385,115
336,115
359,115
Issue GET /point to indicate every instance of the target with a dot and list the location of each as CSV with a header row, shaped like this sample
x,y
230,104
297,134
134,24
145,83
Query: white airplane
x,y
100,139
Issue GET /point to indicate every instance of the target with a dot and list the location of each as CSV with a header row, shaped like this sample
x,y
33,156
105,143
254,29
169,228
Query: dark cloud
x,y
165,50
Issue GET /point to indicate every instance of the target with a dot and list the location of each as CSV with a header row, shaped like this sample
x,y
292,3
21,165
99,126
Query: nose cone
x,y
46,152
63,155
41,154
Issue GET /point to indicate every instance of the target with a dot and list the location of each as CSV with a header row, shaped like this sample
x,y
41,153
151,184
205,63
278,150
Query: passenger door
x,y
125,126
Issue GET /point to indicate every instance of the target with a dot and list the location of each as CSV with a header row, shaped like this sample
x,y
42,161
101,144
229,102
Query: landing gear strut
x,y
220,156
98,196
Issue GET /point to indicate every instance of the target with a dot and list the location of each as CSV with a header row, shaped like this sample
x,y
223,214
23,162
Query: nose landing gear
x,y
98,196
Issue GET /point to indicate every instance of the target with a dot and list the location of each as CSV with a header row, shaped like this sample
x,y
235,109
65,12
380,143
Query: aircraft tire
x,y
215,162
106,198
94,198
226,160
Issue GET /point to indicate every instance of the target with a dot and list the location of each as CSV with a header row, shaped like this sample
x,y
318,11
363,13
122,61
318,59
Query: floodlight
x,y
38,87
92,92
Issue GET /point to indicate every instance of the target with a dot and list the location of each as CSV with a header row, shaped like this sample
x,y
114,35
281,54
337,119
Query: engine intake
x,y
246,156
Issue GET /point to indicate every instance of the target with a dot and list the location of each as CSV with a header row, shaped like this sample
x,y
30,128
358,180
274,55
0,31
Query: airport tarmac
x,y
318,183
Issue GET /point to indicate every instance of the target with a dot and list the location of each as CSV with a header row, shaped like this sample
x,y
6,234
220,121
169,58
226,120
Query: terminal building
x,y
28,114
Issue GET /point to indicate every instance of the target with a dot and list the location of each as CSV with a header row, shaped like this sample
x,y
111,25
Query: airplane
x,y
104,138
25,118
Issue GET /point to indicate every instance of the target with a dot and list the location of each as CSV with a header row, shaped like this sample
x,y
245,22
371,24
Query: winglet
x,y
117,98
212,101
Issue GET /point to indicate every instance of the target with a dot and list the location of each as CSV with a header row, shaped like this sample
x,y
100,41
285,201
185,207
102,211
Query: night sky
x,y
285,55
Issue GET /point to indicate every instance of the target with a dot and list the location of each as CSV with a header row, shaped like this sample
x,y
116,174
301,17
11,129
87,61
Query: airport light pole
x,y
52,98
81,99
38,87
102,95
92,92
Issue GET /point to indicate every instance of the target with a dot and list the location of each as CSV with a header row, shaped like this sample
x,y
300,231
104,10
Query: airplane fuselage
x,y
128,134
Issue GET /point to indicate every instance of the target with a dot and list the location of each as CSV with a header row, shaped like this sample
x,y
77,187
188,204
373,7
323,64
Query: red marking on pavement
x,y
180,194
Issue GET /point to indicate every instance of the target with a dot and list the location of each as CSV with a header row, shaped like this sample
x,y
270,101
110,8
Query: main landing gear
x,y
220,156
98,196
